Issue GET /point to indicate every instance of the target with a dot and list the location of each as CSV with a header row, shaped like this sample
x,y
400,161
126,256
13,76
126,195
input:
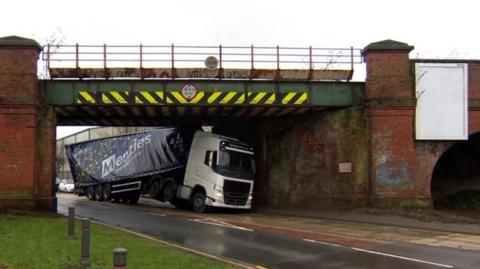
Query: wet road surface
x,y
258,244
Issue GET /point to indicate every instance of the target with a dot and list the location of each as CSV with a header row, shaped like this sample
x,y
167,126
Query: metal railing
x,y
176,56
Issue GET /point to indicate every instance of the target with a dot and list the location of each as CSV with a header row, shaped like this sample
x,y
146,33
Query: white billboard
x,y
442,101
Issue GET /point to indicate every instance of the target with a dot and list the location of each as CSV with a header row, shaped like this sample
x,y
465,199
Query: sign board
x,y
188,91
442,101
345,168
211,63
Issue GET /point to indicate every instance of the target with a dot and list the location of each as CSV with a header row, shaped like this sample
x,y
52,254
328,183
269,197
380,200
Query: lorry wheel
x,y
168,191
91,193
107,192
99,193
154,189
198,202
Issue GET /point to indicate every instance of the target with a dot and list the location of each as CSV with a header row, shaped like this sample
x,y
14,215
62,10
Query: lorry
x,y
185,167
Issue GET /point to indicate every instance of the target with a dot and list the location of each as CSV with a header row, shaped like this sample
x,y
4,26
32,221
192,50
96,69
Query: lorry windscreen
x,y
235,164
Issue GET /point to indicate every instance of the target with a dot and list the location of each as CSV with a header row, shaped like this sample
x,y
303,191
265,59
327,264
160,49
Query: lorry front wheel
x,y
198,202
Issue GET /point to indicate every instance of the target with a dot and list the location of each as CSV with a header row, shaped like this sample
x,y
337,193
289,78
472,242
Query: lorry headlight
x,y
250,197
218,191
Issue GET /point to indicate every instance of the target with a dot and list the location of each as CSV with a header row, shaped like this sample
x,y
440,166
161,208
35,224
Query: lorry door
x,y
198,172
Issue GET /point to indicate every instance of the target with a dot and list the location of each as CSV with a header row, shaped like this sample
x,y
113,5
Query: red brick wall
x,y
474,80
18,74
17,135
388,75
401,167
392,153
302,155
26,138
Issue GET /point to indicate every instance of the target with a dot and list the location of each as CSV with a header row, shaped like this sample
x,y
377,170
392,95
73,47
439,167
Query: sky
x,y
437,29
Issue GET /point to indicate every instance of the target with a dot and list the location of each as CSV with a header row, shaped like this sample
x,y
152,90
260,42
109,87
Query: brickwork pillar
x,y
26,135
390,102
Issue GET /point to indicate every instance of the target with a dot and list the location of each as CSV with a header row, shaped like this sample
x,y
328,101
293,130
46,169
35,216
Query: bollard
x,y
71,222
119,258
85,255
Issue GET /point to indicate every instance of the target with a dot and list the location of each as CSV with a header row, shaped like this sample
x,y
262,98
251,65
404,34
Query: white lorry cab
x,y
219,173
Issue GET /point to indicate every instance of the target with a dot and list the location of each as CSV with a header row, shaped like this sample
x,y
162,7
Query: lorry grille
x,y
235,193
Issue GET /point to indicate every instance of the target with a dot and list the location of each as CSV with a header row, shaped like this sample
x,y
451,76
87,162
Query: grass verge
x,y
40,241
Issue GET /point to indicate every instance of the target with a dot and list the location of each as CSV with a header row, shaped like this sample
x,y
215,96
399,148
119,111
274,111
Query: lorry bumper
x,y
209,202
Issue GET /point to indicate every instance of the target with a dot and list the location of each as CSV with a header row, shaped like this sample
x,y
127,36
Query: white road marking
x,y
158,214
220,223
402,257
323,243
380,253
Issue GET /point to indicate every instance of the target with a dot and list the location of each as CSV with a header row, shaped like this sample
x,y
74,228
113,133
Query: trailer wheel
x,y
99,193
154,189
198,201
168,191
91,193
107,192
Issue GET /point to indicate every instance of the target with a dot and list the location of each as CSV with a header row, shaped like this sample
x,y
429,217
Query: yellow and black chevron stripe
x,y
144,97
223,98
175,97
86,97
260,98
114,97
205,98
294,98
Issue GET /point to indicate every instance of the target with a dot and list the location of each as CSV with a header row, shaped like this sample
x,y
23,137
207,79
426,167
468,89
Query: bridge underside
x,y
166,115
154,102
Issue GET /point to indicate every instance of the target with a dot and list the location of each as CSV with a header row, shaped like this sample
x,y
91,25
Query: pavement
x,y
280,240
380,217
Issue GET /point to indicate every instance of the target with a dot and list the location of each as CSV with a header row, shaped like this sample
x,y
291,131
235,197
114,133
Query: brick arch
x,y
428,153
464,148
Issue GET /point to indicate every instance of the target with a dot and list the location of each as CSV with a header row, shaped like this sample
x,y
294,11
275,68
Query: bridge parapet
x,y
201,62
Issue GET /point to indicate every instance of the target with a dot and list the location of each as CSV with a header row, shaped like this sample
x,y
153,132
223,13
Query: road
x,y
286,242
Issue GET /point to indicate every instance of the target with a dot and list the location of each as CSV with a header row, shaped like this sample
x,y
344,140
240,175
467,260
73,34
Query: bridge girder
x,y
154,102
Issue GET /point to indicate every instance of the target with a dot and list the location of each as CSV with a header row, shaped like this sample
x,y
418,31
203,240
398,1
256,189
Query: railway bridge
x,y
321,140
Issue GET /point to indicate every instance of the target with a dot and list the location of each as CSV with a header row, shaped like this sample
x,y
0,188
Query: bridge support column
x,y
27,130
390,102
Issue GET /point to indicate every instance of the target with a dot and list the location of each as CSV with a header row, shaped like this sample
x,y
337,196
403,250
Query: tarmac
x,y
292,238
